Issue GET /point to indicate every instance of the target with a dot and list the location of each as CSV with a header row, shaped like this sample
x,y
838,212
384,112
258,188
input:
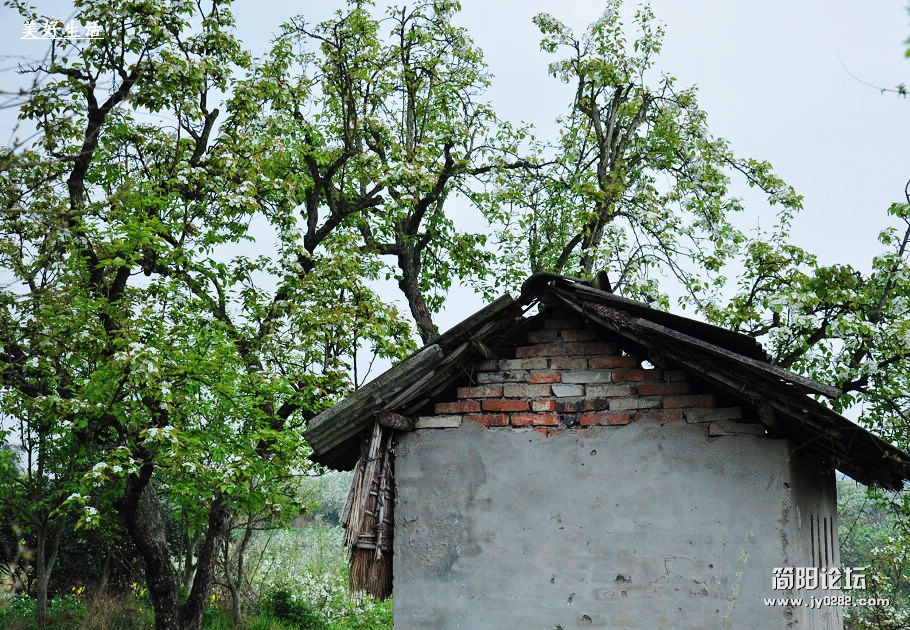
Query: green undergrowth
x,y
298,581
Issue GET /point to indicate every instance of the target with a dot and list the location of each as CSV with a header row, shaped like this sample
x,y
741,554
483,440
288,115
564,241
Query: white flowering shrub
x,y
328,494
890,609
872,537
311,566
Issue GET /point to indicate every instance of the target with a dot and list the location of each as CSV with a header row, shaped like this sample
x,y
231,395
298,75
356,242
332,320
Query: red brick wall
x,y
569,376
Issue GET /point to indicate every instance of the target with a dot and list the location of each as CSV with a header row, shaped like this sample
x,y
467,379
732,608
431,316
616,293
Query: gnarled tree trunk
x,y
143,516
144,520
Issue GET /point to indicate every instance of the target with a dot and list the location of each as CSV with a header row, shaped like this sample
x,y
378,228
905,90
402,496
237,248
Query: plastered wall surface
x,y
646,525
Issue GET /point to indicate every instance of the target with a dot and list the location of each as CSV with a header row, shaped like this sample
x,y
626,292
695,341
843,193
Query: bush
x,y
310,564
299,580
214,618
125,612
328,493
284,607
264,622
66,607
18,612
375,617
17,609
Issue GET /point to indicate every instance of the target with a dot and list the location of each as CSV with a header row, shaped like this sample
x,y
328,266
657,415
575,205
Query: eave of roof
x,y
334,434
735,363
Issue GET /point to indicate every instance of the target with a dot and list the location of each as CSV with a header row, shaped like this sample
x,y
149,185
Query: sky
x,y
775,79
782,80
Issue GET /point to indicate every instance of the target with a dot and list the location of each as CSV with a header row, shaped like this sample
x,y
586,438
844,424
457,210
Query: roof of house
x,y
732,362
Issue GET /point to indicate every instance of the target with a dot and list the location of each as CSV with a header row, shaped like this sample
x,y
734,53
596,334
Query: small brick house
x,y
599,463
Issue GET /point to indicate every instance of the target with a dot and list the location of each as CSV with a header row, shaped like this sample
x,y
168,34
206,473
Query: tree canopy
x,y
198,245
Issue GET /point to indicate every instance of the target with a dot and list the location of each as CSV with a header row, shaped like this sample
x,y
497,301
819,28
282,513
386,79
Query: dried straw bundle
x,y
368,516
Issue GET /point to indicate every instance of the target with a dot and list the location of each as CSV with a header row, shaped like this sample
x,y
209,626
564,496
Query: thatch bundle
x,y
368,516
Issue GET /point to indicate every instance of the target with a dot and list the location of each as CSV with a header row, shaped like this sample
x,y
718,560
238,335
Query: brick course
x,y
535,419
623,376
568,348
656,389
587,376
508,404
608,391
515,390
503,376
459,406
545,377
543,336
582,334
532,363
481,391
568,377
599,363
568,390
604,418
659,415
568,363
635,403
543,405
689,400
490,420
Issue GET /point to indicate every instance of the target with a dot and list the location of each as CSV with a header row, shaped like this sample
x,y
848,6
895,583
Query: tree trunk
x,y
188,571
143,517
235,584
229,580
105,579
594,237
409,263
218,526
45,557
41,605
42,577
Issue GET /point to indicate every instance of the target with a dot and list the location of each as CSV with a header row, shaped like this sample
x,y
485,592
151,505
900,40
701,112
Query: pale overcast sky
x,y
771,76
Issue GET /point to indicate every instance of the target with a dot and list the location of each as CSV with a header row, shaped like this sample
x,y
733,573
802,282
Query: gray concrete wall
x,y
637,526
814,514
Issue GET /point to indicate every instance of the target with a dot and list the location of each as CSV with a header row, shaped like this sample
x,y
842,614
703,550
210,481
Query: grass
x,y
311,567
299,583
18,612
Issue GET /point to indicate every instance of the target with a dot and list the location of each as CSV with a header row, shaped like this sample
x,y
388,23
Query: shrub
x,y
328,493
283,606
299,579
215,618
377,616
310,564
126,612
18,612
66,607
